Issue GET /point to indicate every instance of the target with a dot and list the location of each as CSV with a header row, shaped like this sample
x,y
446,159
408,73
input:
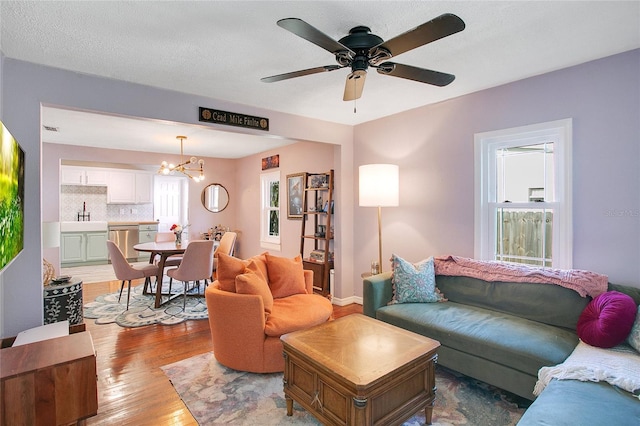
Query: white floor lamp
x,y
379,187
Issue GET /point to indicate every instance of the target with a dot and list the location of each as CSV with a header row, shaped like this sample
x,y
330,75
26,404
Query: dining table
x,y
163,250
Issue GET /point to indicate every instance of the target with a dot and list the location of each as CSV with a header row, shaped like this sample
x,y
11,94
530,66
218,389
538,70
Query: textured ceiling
x,y
221,49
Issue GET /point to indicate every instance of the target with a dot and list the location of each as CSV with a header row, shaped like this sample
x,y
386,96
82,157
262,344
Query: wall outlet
x,y
121,211
134,211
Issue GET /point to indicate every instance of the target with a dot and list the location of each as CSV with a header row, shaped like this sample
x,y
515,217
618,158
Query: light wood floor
x,y
132,389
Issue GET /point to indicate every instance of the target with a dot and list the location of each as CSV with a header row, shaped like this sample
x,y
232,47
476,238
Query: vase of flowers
x,y
178,230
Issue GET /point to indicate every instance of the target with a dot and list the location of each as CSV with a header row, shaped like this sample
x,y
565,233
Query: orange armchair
x,y
246,338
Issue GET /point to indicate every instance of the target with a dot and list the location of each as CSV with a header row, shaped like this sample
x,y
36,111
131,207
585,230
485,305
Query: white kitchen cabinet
x,y
129,187
146,234
144,188
83,247
76,175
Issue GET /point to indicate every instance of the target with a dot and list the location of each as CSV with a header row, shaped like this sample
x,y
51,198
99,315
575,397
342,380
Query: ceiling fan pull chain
x,y
355,100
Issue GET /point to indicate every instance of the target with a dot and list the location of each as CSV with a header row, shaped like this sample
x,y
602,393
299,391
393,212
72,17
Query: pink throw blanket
x,y
586,283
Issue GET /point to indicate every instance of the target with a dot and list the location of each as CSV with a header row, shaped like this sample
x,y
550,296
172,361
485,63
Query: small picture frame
x,y
318,181
271,162
295,195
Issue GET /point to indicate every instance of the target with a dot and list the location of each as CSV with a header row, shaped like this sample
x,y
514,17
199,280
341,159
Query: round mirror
x,y
215,197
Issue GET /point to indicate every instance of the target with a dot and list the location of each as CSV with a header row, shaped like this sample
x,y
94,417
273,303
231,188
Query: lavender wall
x,y
433,146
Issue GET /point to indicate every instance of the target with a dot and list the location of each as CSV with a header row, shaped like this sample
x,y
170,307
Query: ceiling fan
x,y
361,50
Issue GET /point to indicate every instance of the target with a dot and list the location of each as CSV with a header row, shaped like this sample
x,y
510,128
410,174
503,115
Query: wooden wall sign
x,y
217,116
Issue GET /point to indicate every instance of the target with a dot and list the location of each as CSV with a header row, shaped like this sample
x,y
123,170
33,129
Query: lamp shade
x,y
379,185
50,234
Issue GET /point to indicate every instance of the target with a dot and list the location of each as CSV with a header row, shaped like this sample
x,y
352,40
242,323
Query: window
x,y
270,210
170,201
523,195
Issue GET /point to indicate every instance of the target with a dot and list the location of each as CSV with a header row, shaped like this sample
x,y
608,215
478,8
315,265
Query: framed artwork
x,y
271,162
295,193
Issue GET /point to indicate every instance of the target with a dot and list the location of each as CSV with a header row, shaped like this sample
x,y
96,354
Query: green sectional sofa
x,y
502,333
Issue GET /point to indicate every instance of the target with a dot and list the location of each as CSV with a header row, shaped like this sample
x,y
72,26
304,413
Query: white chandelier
x,y
196,173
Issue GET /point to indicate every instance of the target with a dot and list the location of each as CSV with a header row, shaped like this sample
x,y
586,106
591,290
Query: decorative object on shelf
x,y
318,181
194,173
50,239
271,162
379,187
295,188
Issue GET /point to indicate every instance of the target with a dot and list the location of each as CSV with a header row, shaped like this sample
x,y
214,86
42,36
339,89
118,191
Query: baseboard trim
x,y
346,301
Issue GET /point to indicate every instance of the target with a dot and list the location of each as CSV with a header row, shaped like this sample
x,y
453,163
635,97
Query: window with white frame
x,y
523,195
270,210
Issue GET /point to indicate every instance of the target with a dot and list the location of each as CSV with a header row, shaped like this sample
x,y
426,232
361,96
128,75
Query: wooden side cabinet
x,y
51,382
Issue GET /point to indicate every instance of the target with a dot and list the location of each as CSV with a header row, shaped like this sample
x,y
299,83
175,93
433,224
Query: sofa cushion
x,y
253,282
527,300
297,312
519,343
634,336
607,319
414,282
572,402
286,276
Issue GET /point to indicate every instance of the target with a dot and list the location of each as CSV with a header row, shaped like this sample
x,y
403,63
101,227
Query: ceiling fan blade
x,y
300,73
422,75
354,85
310,33
442,26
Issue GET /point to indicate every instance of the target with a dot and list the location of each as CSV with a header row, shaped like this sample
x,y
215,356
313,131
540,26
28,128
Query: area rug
x,y
106,309
217,395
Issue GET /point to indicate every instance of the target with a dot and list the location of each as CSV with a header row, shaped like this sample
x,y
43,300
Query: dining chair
x,y
196,265
126,272
227,245
171,261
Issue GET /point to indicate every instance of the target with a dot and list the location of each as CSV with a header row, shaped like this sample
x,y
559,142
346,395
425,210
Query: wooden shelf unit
x,y
317,209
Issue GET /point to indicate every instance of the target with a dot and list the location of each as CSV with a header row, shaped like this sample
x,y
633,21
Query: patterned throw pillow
x,y
634,336
414,283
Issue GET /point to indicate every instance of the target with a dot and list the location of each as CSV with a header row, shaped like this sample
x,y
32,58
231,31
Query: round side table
x,y
63,302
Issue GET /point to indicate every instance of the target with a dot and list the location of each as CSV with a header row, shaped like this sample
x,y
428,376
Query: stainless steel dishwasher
x,y
125,237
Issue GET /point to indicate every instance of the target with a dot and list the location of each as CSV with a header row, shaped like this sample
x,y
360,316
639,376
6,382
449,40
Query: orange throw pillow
x,y
286,276
229,268
261,264
252,282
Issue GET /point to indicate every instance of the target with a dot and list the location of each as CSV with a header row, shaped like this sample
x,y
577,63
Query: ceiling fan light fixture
x,y
195,174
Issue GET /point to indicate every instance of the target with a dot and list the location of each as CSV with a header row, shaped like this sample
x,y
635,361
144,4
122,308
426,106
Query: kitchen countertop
x,y
140,222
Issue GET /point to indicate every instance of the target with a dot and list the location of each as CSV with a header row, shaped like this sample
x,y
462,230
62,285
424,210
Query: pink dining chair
x,y
196,265
126,272
227,245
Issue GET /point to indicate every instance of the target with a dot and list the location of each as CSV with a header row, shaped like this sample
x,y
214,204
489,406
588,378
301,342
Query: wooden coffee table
x,y
359,371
